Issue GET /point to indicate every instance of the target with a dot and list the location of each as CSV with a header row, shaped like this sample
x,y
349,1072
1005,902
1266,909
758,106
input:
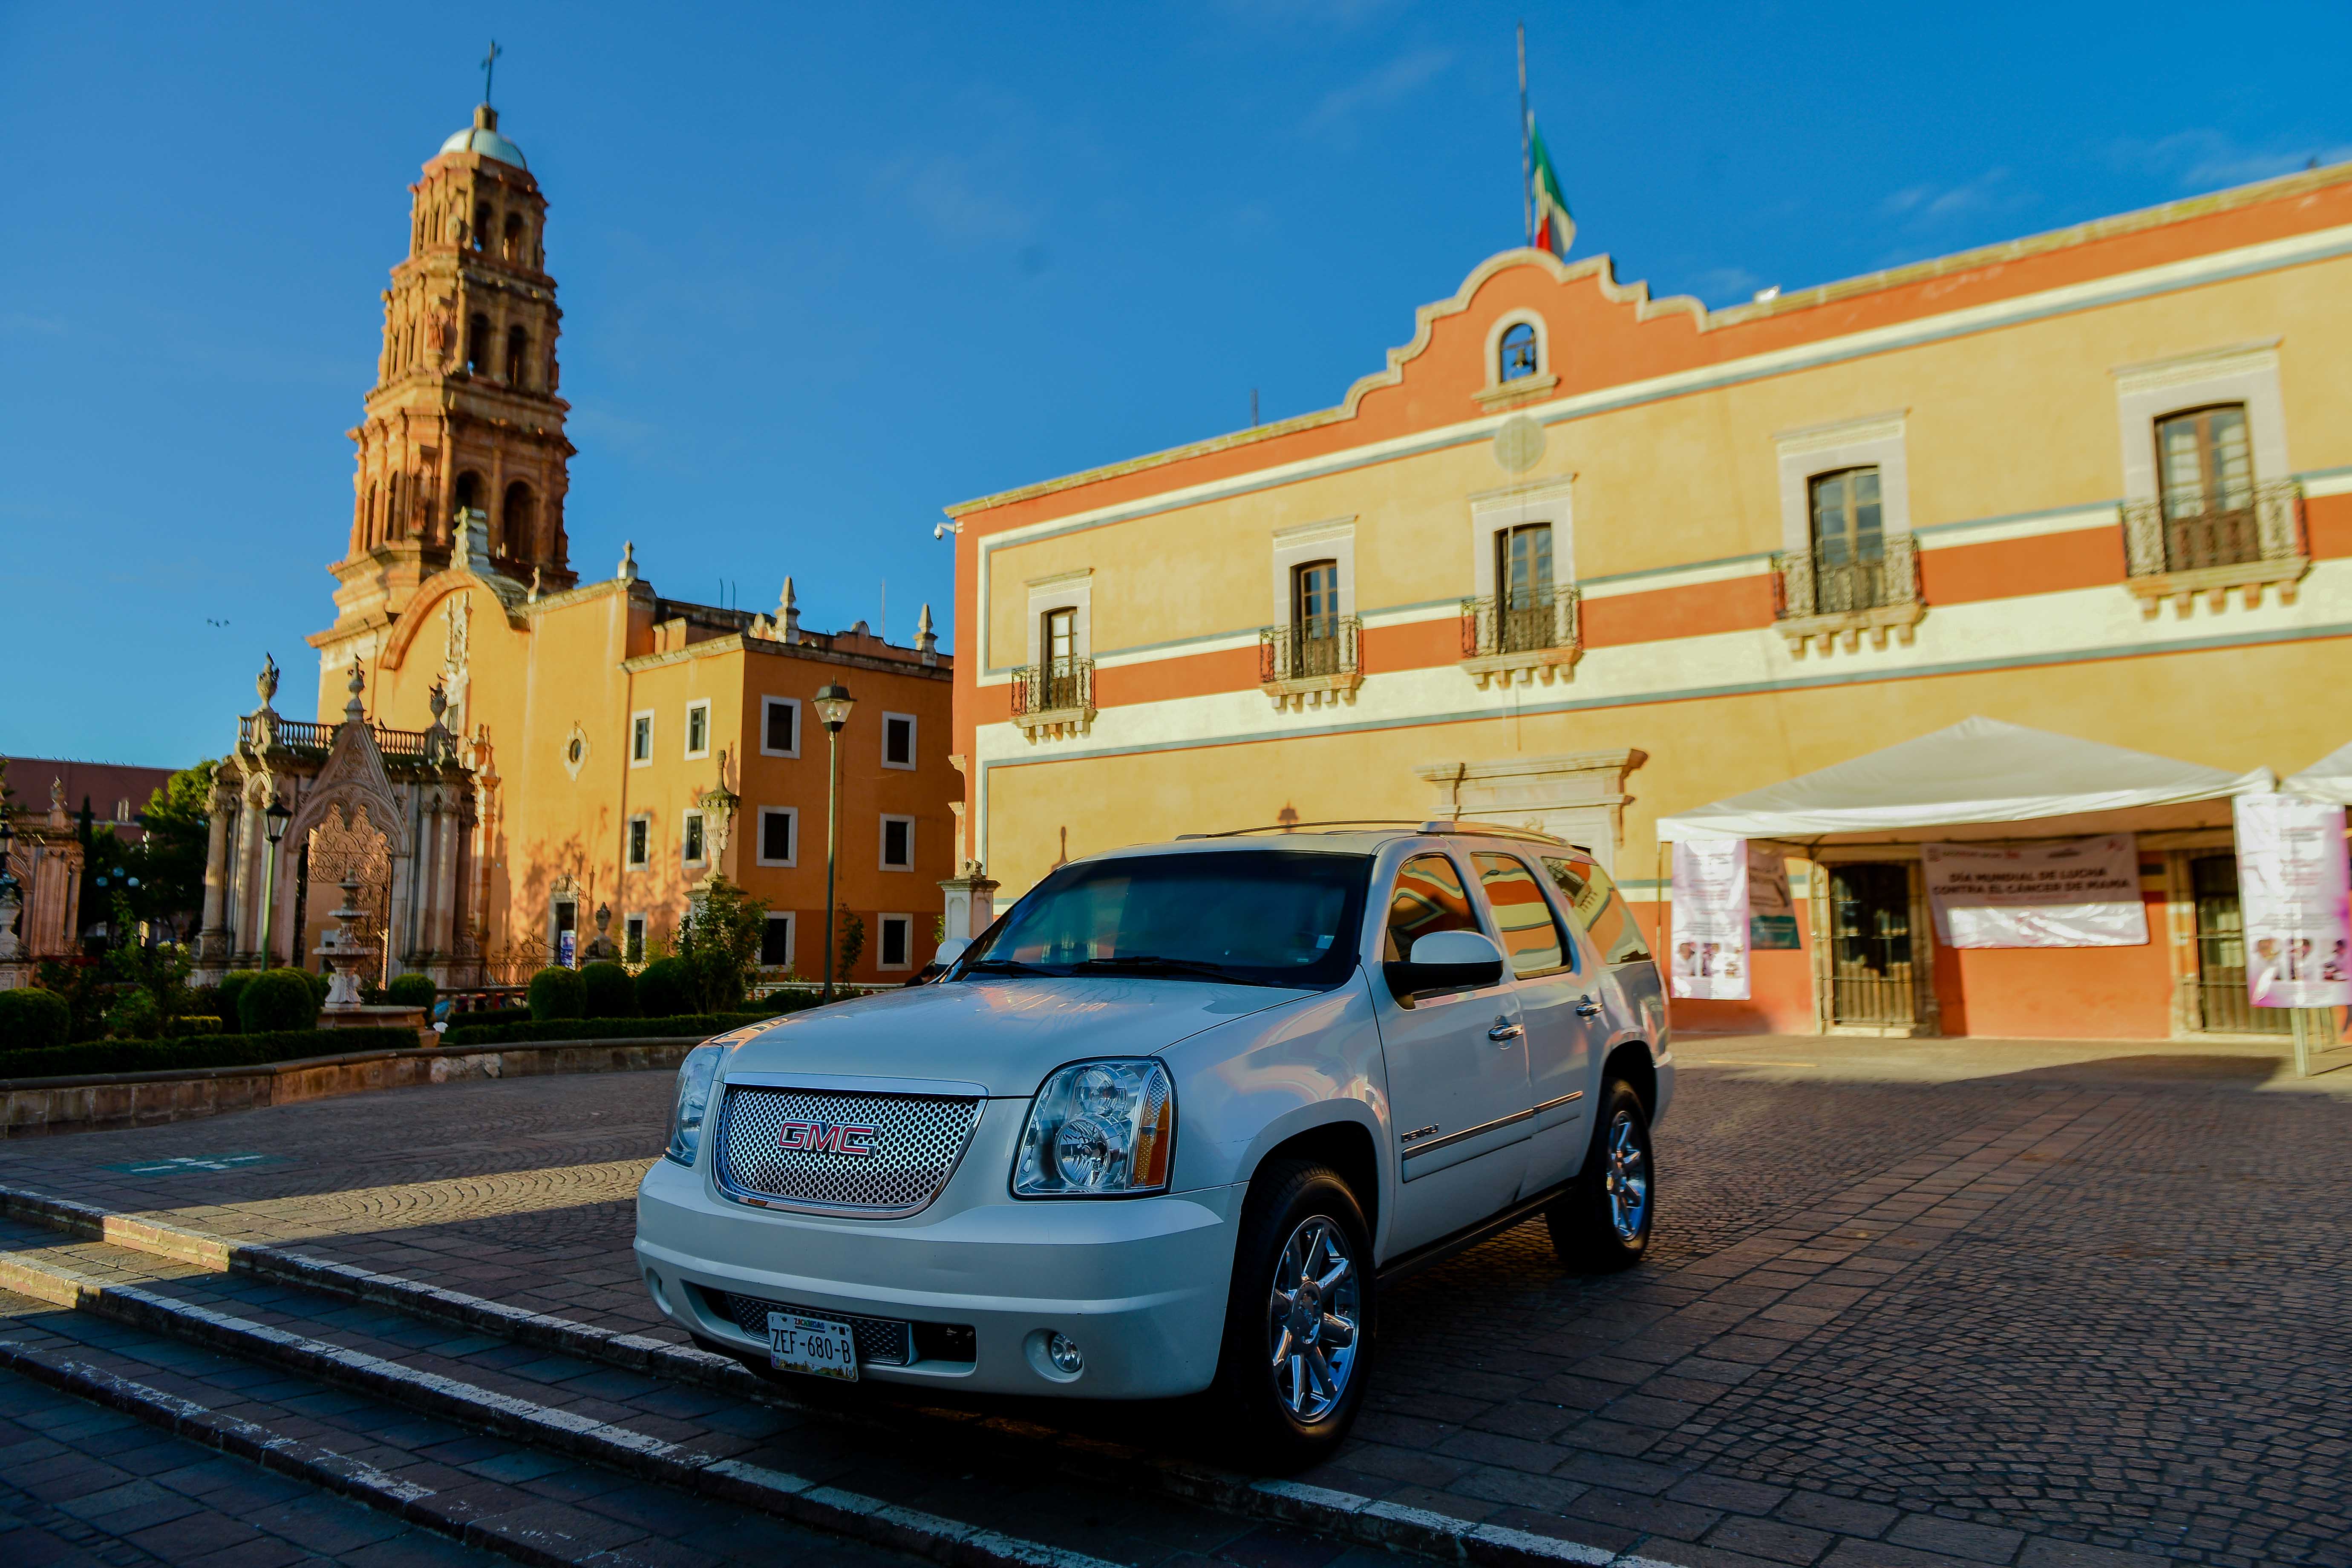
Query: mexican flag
x,y
1554,228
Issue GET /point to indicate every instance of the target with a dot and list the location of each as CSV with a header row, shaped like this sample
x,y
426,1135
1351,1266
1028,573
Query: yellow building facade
x,y
1581,559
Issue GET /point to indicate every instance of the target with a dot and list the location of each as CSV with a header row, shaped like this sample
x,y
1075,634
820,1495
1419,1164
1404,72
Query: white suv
x,y
1166,1126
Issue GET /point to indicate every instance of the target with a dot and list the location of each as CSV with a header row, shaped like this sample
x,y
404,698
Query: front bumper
x,y
1139,1284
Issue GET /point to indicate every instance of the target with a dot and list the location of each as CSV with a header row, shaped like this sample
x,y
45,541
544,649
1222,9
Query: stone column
x,y
427,832
441,935
211,934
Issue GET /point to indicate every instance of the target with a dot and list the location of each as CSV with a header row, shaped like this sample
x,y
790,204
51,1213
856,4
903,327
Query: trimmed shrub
x,y
412,990
33,1019
663,987
607,991
231,987
278,1000
209,1051
191,1023
318,980
689,1025
555,993
135,1018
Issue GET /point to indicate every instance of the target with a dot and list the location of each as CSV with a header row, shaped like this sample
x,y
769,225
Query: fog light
x,y
1063,1352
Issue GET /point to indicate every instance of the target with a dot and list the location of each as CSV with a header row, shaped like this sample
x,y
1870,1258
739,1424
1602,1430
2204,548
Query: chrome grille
x,y
918,1140
881,1342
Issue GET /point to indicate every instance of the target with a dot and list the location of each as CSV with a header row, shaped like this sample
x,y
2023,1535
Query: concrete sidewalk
x,y
1860,1060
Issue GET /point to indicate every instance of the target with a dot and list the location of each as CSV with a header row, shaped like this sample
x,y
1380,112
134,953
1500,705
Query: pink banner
x,y
2292,891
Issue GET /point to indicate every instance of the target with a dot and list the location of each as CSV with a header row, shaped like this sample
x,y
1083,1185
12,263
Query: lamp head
x,y
833,706
277,818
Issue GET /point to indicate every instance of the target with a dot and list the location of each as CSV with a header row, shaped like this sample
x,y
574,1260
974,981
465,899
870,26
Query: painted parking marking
x,y
178,1163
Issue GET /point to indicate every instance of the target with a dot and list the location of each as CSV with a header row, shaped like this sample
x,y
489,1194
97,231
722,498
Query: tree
x,y
718,942
170,862
853,942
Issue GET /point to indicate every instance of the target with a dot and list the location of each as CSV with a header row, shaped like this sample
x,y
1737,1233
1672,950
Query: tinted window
x,y
1428,899
1531,935
1592,900
1266,916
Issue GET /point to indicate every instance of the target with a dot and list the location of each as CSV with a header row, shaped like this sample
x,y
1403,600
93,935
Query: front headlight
x,y
1098,1129
694,1078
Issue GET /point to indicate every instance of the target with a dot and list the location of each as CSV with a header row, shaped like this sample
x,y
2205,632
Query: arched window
x,y
370,529
511,245
519,519
518,349
1519,356
469,491
477,345
481,225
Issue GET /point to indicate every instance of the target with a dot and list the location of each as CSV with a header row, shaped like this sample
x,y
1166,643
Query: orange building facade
x,y
503,752
1584,560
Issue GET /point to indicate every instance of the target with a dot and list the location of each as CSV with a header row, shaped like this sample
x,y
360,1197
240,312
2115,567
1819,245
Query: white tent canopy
x,y
2330,778
1957,783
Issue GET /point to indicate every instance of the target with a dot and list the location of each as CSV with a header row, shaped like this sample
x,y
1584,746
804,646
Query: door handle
x,y
1505,1029
1588,1008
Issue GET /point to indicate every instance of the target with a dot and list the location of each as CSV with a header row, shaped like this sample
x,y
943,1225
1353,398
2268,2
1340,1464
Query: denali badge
x,y
826,1137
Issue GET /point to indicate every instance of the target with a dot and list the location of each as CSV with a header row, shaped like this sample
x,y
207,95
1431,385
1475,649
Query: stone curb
x,y
1347,1516
830,1509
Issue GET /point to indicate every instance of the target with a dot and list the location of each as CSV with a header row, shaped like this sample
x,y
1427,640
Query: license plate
x,y
814,1345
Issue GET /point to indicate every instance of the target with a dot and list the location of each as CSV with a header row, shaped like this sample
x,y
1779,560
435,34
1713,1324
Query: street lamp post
x,y
275,816
833,706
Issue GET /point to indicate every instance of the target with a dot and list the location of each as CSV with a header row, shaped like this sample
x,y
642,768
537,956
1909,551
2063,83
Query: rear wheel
x,y
1601,1224
1298,1320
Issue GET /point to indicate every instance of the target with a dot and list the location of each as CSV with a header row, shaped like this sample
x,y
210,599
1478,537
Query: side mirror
x,y
951,949
1446,960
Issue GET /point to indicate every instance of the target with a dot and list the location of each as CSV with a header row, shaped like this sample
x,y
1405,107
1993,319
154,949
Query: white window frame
x,y
644,935
637,863
703,706
767,703
760,844
791,935
882,923
1334,539
2241,372
1807,453
913,734
1550,501
882,843
646,717
693,815
1544,378
1063,590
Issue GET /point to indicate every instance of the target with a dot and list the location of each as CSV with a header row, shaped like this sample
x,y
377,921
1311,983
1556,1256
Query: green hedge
x,y
604,1028
556,993
277,1002
200,1051
33,1019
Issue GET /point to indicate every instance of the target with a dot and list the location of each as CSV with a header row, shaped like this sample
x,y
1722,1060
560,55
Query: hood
x,y
1005,1035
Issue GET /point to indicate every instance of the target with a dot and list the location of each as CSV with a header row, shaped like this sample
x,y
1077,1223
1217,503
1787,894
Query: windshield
x,y
1261,917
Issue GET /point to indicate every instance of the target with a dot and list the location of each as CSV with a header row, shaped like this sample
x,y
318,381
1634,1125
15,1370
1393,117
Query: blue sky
x,y
826,268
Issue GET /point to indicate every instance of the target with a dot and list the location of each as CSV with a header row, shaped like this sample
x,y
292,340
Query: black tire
x,y
1282,1426
1618,1183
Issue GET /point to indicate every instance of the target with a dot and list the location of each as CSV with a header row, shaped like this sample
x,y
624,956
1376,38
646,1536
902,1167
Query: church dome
x,y
482,136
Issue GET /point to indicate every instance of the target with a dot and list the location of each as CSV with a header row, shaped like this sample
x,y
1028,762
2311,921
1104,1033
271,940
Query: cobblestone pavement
x,y
2043,1317
81,1485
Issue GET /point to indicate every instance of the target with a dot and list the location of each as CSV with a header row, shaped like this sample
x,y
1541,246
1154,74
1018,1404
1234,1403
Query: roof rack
x,y
1477,829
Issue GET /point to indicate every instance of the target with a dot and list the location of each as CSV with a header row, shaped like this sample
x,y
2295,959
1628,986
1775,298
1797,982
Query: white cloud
x,y
1925,207
1335,118
2205,158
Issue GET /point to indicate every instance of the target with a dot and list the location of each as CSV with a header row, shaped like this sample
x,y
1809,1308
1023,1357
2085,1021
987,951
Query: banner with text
x,y
1710,915
2292,891
2084,892
1771,913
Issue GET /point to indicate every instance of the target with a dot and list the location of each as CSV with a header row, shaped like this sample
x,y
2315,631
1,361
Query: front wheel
x,y
1298,1321
1601,1224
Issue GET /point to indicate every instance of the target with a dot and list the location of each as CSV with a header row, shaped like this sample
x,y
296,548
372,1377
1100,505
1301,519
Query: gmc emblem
x,y
826,1137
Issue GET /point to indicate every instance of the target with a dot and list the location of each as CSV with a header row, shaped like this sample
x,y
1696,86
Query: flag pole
x,y
1526,157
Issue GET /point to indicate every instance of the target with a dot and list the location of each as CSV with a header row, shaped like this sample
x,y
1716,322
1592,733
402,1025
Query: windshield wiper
x,y
1152,963
1002,966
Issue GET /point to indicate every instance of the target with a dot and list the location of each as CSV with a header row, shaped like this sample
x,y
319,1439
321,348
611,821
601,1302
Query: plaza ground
x,y
1912,1302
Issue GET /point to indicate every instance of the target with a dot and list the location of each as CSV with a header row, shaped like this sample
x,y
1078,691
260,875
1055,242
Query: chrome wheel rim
x,y
1314,1319
1626,1177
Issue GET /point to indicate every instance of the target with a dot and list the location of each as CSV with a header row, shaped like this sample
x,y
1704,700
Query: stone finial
x,y
57,793
266,682
533,597
354,711
927,641
470,542
788,612
626,572
437,699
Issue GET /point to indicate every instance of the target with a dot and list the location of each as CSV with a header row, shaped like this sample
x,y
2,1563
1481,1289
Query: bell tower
x,y
464,417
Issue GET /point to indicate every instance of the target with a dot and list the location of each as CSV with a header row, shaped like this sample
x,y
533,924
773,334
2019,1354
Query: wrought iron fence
x,y
1811,583
1310,647
1520,622
2249,523
1059,684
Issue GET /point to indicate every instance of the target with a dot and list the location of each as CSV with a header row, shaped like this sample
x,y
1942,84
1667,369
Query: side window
x,y
1532,936
1592,900
1428,899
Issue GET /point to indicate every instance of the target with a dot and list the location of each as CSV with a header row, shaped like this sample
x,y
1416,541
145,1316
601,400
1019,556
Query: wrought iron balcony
x,y
2246,538
1054,698
1311,661
1822,599
1522,635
